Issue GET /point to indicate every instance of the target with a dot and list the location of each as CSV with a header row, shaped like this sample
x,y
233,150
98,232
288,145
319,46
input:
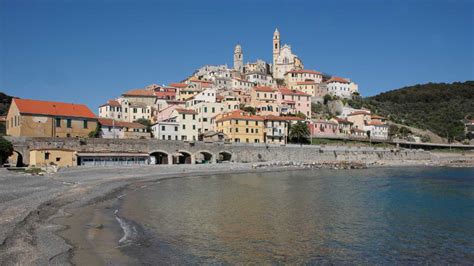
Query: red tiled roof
x,y
342,120
178,85
264,89
377,117
281,118
114,103
306,83
325,122
35,107
376,123
362,112
110,122
164,94
286,91
201,81
240,115
337,79
307,71
140,92
185,111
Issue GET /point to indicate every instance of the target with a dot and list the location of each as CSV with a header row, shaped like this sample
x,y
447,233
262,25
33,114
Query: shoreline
x,y
42,241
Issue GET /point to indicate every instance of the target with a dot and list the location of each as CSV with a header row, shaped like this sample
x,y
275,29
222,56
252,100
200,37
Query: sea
x,y
412,215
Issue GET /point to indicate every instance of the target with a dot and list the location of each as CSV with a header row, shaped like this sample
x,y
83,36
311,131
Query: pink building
x,y
323,128
294,101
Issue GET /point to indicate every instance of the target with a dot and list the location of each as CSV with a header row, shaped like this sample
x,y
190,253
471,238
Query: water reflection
x,y
364,216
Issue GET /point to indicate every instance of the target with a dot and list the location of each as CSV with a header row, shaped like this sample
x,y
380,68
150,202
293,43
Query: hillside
x,y
438,107
5,101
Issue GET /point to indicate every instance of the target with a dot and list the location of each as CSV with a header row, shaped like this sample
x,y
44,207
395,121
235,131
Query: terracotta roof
x,y
286,91
110,122
239,115
376,123
185,111
114,103
362,112
281,118
201,81
264,89
359,130
178,85
164,94
140,92
306,83
337,79
307,71
26,106
325,122
377,117
342,120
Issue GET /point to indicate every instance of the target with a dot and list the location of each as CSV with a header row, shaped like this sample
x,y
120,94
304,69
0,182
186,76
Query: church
x,y
283,60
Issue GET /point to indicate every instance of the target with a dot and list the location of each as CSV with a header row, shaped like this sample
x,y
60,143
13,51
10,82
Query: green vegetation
x,y
5,101
95,133
299,133
6,149
438,107
145,122
248,109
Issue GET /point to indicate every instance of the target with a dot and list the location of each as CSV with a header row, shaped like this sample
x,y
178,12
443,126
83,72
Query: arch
x,y
183,157
224,156
16,159
160,157
203,157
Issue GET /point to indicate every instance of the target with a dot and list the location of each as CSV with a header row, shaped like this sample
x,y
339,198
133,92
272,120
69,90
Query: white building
x,y
259,79
340,87
114,129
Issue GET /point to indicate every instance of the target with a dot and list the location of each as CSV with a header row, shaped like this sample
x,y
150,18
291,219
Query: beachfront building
x,y
276,129
116,129
240,126
359,118
48,157
167,129
378,130
324,129
34,118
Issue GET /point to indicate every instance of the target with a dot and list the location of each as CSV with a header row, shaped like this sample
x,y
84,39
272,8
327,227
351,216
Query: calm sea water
x,y
411,215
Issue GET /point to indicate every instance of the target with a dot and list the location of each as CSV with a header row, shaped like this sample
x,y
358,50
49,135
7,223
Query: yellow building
x,y
241,126
47,157
32,118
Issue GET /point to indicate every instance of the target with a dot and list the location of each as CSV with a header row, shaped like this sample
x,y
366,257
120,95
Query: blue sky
x,y
91,51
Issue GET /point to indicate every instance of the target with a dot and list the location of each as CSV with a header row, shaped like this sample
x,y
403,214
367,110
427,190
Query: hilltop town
x,y
256,102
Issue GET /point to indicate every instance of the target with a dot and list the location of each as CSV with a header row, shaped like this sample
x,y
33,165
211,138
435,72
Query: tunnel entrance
x,y
224,156
203,157
160,157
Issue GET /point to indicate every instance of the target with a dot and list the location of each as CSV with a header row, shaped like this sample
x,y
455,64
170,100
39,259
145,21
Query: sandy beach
x,y
34,209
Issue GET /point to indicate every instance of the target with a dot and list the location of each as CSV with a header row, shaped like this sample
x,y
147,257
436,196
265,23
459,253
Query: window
x,y
246,130
257,140
134,110
58,122
205,109
184,126
184,116
236,129
46,156
194,117
69,123
163,137
58,159
169,137
194,127
85,124
163,128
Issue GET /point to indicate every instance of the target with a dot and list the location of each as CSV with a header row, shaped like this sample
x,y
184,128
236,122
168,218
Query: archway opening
x,y
160,157
183,157
203,157
16,159
225,156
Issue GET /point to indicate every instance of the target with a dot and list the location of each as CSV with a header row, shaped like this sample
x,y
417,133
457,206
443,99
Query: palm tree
x,y
299,133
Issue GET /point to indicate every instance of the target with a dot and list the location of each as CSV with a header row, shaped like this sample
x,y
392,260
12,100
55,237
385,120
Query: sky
x,y
89,51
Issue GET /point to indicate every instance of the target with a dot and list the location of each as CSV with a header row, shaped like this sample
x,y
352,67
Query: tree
x,y
95,133
145,122
392,130
6,150
301,115
249,109
299,133
327,98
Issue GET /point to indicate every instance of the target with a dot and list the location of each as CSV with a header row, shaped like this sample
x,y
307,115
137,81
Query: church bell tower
x,y
238,58
276,48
